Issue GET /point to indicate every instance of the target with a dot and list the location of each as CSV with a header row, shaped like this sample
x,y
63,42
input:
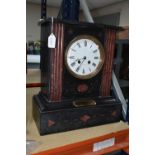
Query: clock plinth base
x,y
55,117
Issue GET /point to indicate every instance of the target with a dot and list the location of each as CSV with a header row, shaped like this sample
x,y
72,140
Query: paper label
x,y
51,41
103,144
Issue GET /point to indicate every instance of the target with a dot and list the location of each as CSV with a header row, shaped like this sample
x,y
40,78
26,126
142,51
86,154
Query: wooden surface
x,y
53,141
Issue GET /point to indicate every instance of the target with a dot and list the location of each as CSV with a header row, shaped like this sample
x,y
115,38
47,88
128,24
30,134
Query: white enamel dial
x,y
84,57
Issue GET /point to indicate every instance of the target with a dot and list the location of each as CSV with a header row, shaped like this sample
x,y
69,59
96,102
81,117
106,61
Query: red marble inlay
x,y
82,88
110,36
57,63
50,123
85,118
114,113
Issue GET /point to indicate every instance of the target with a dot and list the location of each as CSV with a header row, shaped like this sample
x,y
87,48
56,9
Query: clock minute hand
x,y
80,64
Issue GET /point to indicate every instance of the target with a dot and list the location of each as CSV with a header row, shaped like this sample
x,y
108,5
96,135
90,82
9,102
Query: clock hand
x,y
80,64
79,59
84,58
76,60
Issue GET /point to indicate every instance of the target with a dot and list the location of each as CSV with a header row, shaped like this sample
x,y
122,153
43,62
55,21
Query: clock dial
x,y
84,57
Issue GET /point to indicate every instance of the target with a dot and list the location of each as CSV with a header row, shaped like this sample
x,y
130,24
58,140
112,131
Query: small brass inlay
x,y
83,102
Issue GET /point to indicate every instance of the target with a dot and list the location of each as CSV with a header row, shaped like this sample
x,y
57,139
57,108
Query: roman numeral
x,y
77,69
90,46
73,64
85,43
73,50
95,57
95,51
72,57
78,44
89,69
94,64
83,71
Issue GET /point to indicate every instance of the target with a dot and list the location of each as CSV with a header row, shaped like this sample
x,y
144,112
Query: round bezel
x,y
101,61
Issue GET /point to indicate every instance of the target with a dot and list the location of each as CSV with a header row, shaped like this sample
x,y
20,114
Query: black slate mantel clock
x,y
76,77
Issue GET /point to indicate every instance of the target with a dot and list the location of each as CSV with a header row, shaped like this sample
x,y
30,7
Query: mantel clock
x,y
76,77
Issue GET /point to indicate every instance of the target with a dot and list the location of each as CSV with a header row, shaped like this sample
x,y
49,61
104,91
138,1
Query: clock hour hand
x,y
78,59
74,62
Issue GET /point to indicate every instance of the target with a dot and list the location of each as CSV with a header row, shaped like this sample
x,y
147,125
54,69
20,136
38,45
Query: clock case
x,y
53,108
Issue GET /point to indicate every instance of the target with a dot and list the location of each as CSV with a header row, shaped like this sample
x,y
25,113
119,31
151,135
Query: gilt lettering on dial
x,y
84,57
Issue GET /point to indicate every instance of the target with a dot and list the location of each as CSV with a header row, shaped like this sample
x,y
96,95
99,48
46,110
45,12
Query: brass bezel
x,y
102,57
